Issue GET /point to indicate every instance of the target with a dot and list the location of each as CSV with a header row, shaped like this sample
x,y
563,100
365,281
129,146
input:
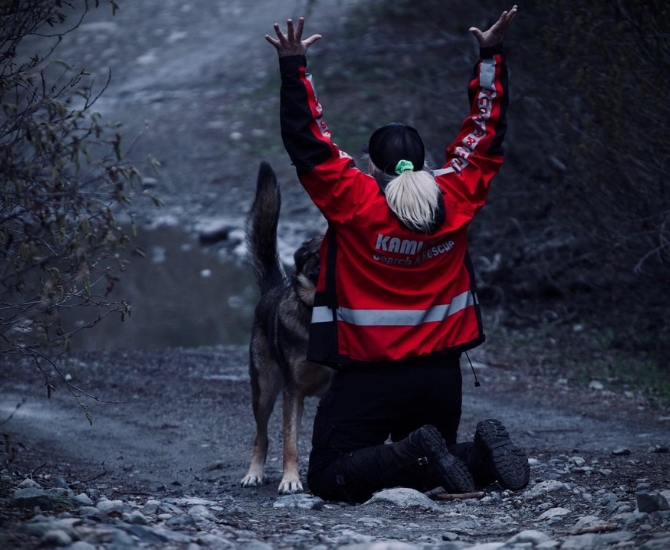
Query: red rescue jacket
x,y
387,293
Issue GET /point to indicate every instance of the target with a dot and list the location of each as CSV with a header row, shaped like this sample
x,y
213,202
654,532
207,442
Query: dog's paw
x,y
289,486
251,480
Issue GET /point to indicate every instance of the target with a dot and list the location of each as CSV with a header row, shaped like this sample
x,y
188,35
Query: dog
x,y
278,347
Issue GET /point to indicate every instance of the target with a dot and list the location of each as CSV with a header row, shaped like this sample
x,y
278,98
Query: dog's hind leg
x,y
266,382
293,404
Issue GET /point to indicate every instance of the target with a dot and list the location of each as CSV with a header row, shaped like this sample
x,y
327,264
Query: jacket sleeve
x,y
475,156
329,175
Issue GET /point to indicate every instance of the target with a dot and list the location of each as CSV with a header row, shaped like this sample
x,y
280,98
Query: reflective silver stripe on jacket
x,y
487,75
394,317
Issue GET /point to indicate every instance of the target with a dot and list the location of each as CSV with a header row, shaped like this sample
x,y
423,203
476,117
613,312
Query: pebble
x,y
56,537
81,545
651,502
299,500
135,518
543,488
304,521
29,483
82,499
621,451
30,497
111,506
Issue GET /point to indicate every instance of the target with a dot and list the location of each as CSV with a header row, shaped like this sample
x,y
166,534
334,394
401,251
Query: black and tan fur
x,y
279,335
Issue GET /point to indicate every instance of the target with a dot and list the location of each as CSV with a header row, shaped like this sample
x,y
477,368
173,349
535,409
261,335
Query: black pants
x,y
366,405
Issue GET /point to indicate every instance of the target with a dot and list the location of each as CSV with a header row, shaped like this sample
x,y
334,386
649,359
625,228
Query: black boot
x,y
493,457
420,461
438,467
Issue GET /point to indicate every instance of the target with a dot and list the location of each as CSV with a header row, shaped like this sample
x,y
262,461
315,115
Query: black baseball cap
x,y
392,143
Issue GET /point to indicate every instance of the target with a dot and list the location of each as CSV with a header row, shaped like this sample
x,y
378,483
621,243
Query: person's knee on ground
x,y
420,461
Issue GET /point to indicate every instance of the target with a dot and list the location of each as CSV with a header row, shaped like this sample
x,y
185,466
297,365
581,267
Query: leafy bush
x,y
63,182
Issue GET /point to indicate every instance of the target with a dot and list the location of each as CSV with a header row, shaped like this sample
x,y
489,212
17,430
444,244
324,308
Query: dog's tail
x,y
262,231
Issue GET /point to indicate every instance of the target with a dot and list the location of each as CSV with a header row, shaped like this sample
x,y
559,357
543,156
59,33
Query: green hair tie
x,y
403,166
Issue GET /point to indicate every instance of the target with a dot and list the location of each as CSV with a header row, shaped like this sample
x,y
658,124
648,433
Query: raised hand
x,y
291,43
495,34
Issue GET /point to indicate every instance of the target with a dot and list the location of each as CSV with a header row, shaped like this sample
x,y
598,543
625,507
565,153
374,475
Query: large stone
x,y
302,501
107,507
552,513
181,522
404,498
543,488
214,542
60,481
135,517
534,537
31,497
651,502
122,541
579,542
201,512
587,521
29,484
167,508
40,526
621,451
82,499
145,534
150,507
56,537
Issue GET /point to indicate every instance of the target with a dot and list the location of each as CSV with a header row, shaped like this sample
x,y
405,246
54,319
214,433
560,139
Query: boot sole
x,y
509,462
455,474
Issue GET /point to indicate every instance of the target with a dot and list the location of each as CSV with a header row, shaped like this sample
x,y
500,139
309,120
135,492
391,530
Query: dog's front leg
x,y
263,396
293,407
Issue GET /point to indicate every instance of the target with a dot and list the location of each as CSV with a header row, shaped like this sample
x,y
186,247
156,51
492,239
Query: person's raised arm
x,y
475,156
328,174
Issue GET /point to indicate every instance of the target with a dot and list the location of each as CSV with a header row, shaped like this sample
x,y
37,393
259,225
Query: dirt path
x,y
182,410
185,428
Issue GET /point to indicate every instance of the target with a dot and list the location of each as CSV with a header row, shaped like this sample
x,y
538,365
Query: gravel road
x,y
160,465
182,432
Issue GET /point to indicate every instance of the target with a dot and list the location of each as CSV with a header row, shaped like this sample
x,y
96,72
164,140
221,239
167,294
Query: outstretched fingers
x,y
495,34
291,43
290,32
506,19
281,39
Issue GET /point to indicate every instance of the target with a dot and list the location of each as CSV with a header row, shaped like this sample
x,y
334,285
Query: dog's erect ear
x,y
301,256
309,250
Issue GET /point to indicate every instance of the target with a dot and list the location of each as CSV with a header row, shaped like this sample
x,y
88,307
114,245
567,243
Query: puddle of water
x,y
182,295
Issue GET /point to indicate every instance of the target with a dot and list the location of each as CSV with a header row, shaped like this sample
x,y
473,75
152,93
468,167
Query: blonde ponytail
x,y
414,197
